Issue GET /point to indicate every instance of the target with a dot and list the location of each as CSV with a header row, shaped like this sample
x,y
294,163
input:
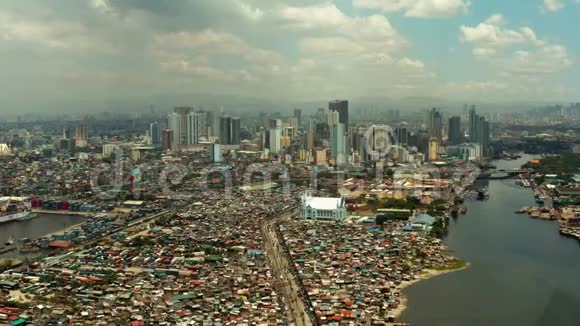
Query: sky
x,y
59,51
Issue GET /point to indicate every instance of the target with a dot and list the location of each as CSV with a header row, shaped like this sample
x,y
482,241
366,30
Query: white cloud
x,y
304,49
63,35
411,64
545,60
312,17
478,86
194,69
490,34
483,53
102,6
208,39
495,19
537,57
183,52
331,45
416,8
252,13
553,5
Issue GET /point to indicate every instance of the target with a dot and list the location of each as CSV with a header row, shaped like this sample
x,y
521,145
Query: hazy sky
x,y
61,50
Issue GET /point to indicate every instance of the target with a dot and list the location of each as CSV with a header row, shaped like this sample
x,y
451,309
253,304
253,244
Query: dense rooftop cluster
x,y
352,272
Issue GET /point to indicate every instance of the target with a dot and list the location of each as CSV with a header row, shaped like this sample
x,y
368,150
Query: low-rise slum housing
x,y
209,264
204,265
352,272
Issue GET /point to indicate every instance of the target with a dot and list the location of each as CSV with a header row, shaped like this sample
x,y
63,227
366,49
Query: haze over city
x,y
85,55
289,162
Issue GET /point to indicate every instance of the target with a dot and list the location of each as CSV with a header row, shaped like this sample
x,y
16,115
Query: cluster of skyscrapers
x,y
327,136
186,126
328,128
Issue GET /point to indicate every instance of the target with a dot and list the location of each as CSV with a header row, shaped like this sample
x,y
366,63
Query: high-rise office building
x,y
155,133
274,123
455,137
230,130
355,138
322,133
109,149
423,143
338,151
167,139
192,131
364,148
473,123
310,134
213,125
483,135
81,136
235,131
309,140
340,106
436,124
433,149
479,131
319,156
275,144
225,130
215,153
402,135
290,132
321,115
333,118
202,124
293,122
66,133
183,112
174,122
298,116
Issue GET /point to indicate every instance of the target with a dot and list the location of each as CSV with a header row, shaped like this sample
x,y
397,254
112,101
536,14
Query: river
x,y
35,228
523,272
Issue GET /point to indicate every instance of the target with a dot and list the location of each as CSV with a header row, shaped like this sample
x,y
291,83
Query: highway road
x,y
287,284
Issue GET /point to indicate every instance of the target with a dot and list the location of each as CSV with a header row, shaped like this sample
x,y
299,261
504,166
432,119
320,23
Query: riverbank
x,y
456,266
68,228
67,213
523,272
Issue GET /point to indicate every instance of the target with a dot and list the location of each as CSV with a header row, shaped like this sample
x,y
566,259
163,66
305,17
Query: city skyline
x,y
111,50
289,162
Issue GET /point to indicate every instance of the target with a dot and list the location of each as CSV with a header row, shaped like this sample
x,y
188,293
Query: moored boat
x,y
14,209
27,249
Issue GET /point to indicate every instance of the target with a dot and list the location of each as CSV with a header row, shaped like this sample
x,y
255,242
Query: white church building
x,y
323,208
4,150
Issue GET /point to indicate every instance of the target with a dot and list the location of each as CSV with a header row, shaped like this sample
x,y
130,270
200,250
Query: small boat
x,y
9,242
26,249
482,194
